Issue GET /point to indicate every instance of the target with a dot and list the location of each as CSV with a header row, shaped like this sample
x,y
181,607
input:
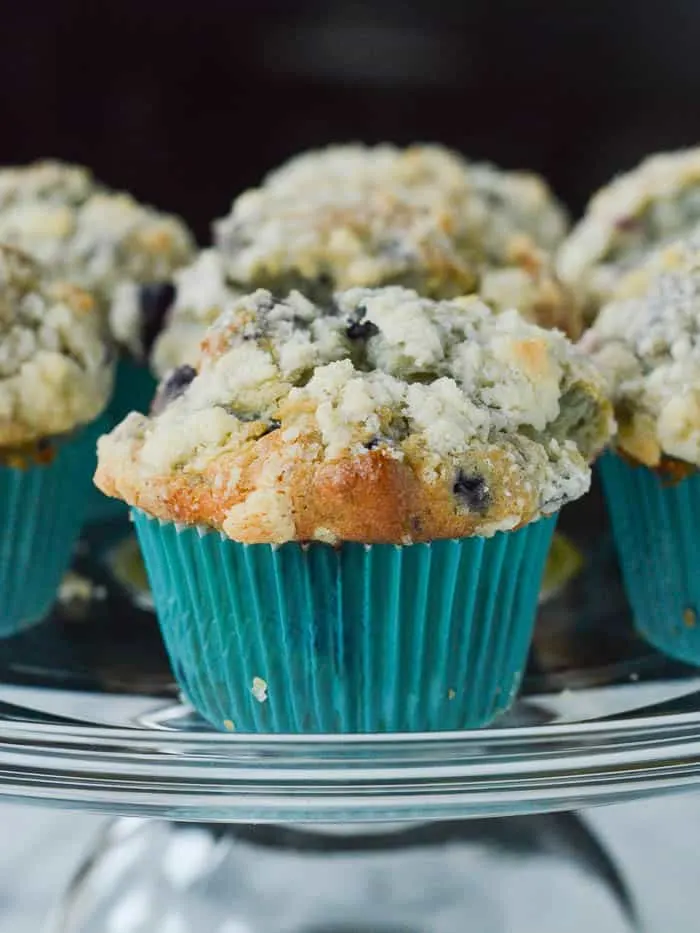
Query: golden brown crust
x,y
371,498
670,471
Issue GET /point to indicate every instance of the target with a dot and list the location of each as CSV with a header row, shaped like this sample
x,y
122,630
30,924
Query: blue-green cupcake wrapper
x,y
355,639
41,512
134,387
657,533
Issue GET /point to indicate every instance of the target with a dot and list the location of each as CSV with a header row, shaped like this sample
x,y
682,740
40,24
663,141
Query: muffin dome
x,y
422,217
384,417
55,366
651,206
101,240
648,348
49,181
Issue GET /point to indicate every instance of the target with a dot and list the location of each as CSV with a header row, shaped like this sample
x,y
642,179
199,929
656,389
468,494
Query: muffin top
x,y
100,240
386,417
639,211
49,181
648,348
201,295
55,367
422,217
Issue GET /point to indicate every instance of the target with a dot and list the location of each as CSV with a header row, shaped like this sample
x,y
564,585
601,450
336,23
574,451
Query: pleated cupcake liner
x,y
42,509
657,534
134,388
355,639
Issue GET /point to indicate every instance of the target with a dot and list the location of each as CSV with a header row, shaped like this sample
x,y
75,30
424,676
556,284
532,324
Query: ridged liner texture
x,y
355,639
134,388
42,509
656,527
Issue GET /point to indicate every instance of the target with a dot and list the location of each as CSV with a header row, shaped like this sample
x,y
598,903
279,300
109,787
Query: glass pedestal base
x,y
539,874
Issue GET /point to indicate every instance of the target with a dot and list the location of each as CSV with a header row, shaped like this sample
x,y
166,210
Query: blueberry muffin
x,y
422,217
122,251
627,220
56,372
345,511
648,349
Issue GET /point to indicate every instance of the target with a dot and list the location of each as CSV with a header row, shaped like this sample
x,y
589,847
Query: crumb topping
x,y
49,181
446,389
101,240
648,348
55,370
637,212
421,217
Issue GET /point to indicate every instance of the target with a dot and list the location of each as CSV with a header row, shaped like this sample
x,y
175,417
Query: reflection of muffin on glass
x,y
56,373
648,348
422,217
638,212
381,476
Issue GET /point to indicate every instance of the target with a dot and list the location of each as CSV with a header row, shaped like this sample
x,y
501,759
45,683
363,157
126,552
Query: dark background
x,y
185,103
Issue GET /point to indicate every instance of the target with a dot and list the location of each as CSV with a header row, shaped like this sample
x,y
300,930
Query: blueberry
x,y
471,491
155,300
273,425
393,249
172,387
361,330
627,224
245,416
248,417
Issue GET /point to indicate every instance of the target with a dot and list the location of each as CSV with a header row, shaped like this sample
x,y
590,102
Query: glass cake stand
x,y
90,718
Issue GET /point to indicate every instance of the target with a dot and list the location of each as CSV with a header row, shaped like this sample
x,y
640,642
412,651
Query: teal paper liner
x,y
134,388
657,533
41,512
355,639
